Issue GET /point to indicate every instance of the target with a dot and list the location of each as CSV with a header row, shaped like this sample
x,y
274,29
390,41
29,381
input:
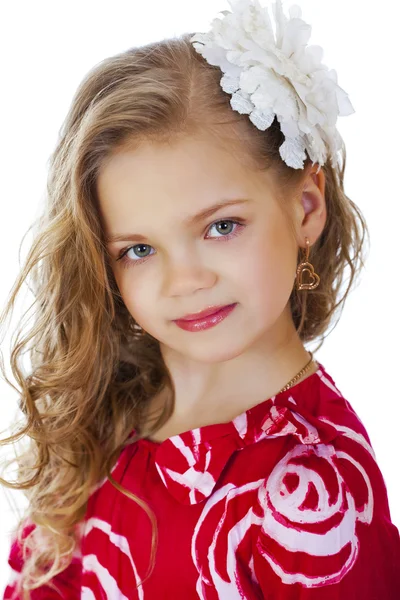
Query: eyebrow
x,y
188,221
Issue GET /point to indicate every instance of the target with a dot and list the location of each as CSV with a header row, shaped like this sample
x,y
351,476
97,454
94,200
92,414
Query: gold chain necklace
x,y
299,374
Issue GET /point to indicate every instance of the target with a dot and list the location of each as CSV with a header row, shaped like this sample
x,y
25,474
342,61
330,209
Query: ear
x,y
310,207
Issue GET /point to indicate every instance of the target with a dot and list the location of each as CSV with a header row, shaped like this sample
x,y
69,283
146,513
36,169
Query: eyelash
x,y
128,262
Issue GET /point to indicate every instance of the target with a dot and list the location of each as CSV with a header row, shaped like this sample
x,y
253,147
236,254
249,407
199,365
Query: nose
x,y
187,274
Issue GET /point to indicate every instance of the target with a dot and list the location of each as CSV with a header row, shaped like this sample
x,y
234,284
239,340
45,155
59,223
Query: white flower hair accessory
x,y
272,75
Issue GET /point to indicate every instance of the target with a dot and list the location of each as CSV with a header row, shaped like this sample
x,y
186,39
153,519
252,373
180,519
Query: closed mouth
x,y
205,313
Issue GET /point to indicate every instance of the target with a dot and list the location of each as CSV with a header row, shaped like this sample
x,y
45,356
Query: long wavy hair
x,y
92,374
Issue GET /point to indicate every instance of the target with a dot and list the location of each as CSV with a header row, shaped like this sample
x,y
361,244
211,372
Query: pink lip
x,y
211,310
206,321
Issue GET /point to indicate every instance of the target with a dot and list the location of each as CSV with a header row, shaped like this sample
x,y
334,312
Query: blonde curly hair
x,y
92,375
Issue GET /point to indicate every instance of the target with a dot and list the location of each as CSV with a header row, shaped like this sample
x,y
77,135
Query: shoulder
x,y
323,511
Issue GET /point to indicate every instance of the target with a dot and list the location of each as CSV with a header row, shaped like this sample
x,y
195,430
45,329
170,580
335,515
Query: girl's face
x,y
175,263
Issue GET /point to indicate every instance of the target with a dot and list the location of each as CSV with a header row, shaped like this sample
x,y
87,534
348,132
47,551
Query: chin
x,y
211,351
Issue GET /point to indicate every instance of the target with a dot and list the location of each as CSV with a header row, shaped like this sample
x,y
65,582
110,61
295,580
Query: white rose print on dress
x,y
305,508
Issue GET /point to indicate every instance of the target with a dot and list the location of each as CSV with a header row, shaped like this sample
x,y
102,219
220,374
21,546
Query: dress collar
x,y
190,463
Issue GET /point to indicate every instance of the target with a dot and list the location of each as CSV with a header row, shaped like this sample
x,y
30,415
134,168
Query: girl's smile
x,y
205,322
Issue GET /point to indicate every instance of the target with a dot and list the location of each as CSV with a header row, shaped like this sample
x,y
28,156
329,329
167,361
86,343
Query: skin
x,y
248,357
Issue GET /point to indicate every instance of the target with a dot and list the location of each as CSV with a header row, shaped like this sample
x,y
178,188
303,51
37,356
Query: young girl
x,y
183,443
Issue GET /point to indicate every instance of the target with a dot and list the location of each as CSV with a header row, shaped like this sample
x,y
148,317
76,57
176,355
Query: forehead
x,y
172,179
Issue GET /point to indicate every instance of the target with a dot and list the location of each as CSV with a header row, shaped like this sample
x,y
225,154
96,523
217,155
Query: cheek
x,y
135,293
267,274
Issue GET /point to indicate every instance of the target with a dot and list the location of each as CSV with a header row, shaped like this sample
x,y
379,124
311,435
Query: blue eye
x,y
124,258
128,262
138,246
224,223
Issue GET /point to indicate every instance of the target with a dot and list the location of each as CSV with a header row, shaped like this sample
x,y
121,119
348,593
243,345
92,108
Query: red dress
x,y
285,502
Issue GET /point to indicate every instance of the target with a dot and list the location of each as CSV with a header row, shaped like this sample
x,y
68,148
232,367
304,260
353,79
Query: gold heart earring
x,y
306,267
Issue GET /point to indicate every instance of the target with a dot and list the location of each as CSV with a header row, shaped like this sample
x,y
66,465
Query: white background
x,y
45,50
